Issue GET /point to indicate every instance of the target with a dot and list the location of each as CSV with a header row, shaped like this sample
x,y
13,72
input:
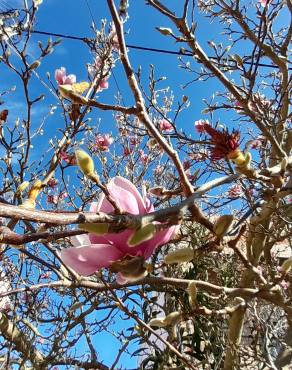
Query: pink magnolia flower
x,y
92,252
52,183
103,84
200,125
62,78
144,158
263,2
102,142
256,144
127,151
165,125
235,191
68,158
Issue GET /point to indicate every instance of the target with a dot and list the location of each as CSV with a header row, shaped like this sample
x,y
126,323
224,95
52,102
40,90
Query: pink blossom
x,y
127,151
62,78
200,125
144,158
263,2
52,199
134,140
52,183
92,252
103,84
165,125
69,159
197,156
102,142
256,144
235,191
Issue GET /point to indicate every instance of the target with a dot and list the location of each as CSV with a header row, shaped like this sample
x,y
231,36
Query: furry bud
x,y
222,225
98,229
179,256
141,235
84,162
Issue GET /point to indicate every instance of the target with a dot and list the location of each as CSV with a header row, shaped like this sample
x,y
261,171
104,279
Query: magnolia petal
x,y
87,259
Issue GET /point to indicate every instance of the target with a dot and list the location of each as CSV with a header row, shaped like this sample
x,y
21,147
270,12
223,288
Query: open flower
x,y
63,79
165,125
92,252
200,125
223,143
102,142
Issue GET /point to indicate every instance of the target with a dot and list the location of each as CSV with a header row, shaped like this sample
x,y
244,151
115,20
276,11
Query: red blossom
x,y
222,142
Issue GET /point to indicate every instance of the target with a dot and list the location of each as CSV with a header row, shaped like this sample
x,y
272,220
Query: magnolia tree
x,y
164,242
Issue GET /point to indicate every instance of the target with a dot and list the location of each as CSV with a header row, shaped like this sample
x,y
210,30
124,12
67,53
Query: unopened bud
x,y
222,225
158,191
34,65
35,189
164,31
179,256
98,229
146,232
173,318
192,292
22,187
286,266
85,162
160,323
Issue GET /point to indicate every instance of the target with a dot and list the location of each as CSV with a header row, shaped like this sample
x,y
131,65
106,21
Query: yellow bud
x,y
160,323
179,256
22,187
146,232
85,162
98,229
237,157
222,225
35,189
192,291
286,265
173,318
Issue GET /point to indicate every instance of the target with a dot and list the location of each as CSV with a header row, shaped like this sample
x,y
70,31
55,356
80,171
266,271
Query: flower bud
x,y
286,266
35,189
158,191
22,187
34,65
237,157
222,225
160,323
173,318
85,162
179,256
192,292
98,229
141,235
164,31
